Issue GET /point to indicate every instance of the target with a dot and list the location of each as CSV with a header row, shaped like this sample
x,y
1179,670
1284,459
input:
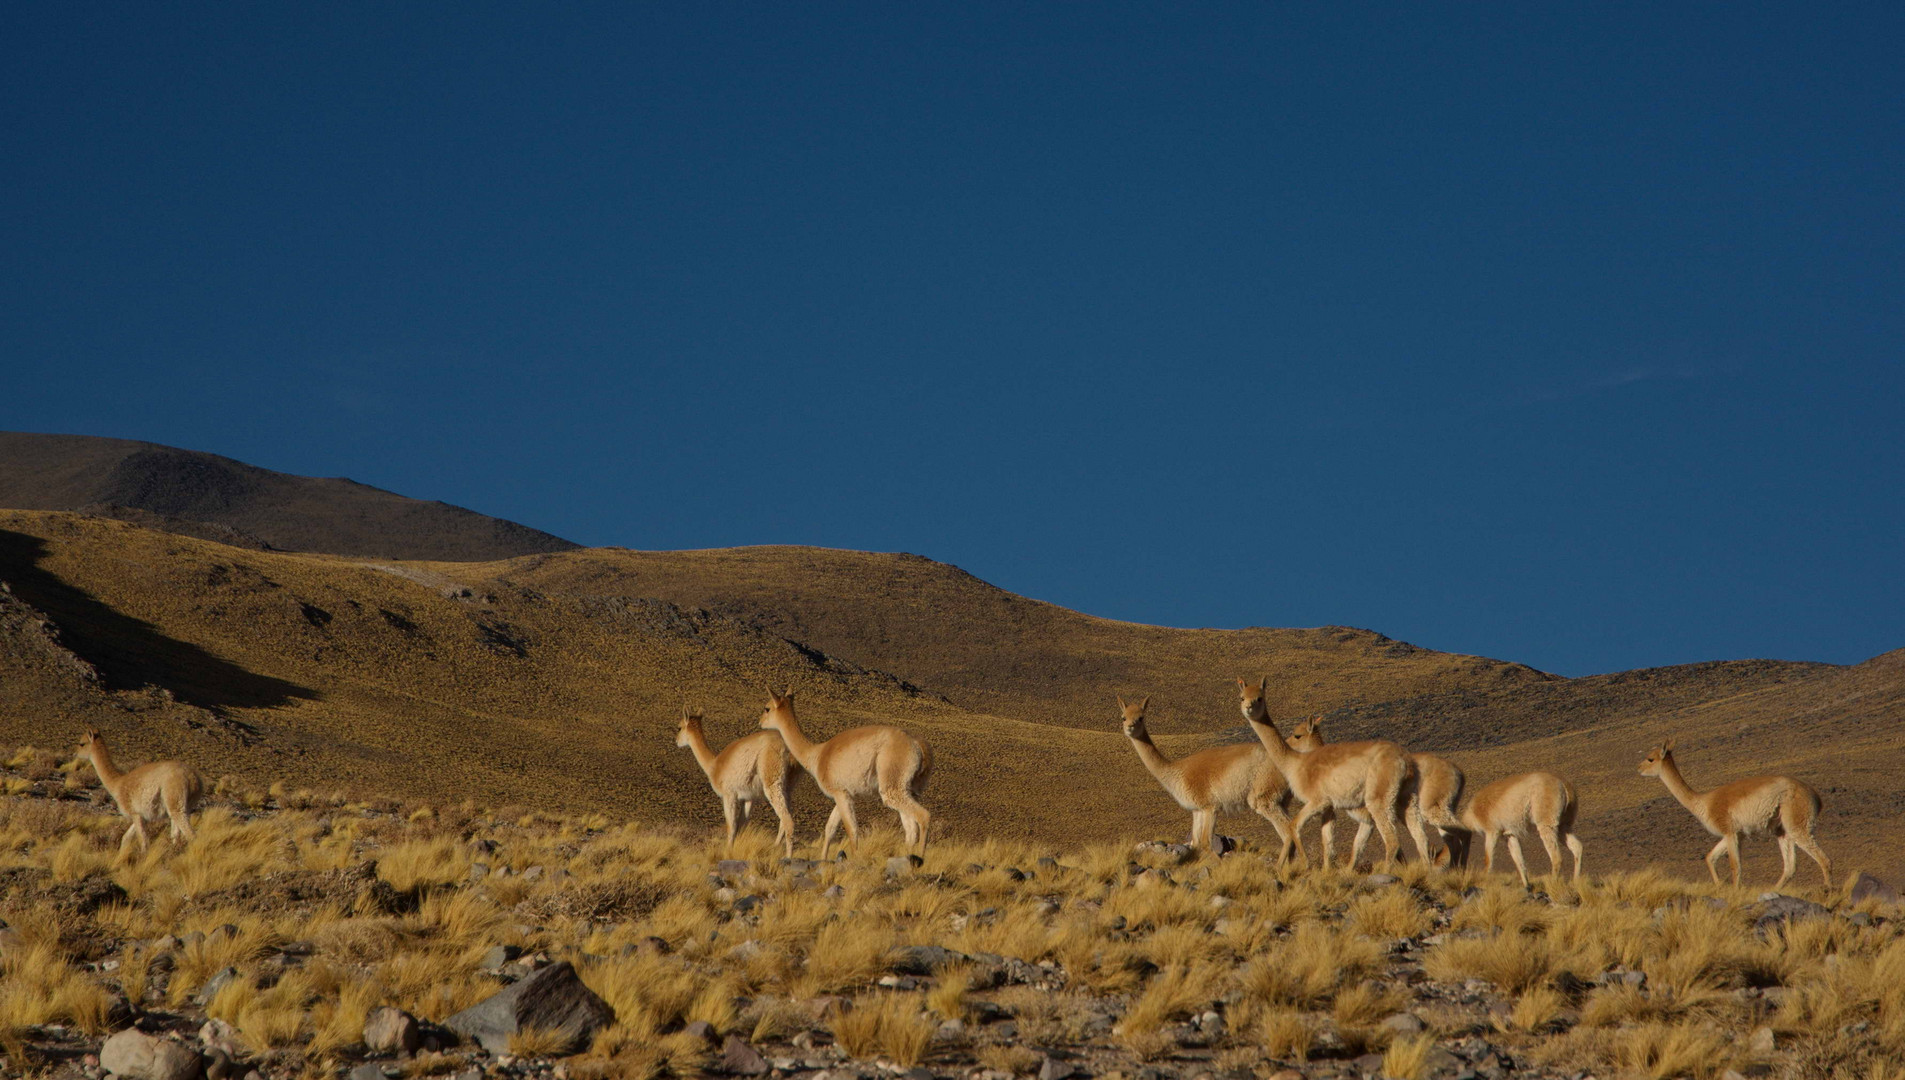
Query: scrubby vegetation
x,y
271,937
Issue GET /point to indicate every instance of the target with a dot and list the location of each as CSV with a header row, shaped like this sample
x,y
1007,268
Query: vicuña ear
x,y
1667,747
1242,683
1145,702
1121,704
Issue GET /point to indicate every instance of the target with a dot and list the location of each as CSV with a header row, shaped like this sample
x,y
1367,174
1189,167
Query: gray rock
x,y
701,1030
478,871
218,1035
1761,1043
1867,887
390,1030
553,998
1178,854
1379,880
1054,1069
746,904
902,865
1404,1023
1369,1064
1860,918
923,959
498,956
218,1065
732,867
1776,908
369,1070
740,1059
1047,862
834,892
137,1056
918,1073
219,980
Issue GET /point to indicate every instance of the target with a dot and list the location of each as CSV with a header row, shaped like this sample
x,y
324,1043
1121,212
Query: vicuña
x,y
1222,779
141,793
1437,791
1509,807
1375,776
747,770
876,759
1778,806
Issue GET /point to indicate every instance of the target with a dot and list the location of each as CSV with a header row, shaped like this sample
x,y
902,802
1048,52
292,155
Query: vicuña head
x,y
1250,699
690,727
1657,758
779,713
1133,716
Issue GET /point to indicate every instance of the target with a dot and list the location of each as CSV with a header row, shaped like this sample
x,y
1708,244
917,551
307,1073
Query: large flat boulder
x,y
552,999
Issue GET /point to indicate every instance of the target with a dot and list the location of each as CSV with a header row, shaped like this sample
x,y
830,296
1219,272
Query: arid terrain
x,y
304,933
422,764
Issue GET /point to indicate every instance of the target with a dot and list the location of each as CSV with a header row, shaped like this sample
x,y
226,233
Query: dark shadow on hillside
x,y
130,653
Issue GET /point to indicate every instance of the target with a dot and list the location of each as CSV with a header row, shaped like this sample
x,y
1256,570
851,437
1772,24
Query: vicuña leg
x,y
1551,840
913,817
1811,847
1419,834
1521,864
833,826
729,812
1268,809
134,832
1574,845
784,836
1713,860
1788,860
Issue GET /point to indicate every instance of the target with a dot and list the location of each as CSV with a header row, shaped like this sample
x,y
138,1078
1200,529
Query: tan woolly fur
x,y
1776,806
1374,775
1219,780
142,793
872,760
749,769
1511,806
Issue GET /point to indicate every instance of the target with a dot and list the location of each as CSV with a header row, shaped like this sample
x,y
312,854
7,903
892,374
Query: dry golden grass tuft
x,y
893,1026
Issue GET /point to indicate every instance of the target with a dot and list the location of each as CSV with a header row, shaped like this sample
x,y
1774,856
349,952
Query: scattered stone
x,y
1761,1043
218,1035
1860,918
834,892
137,1056
369,1070
1014,873
478,871
1369,1064
740,1059
534,873
1047,862
390,1030
1376,881
732,867
700,1029
923,959
1404,1023
218,1064
554,998
902,865
498,956
1177,854
1867,887
218,981
1054,1069
1776,908
746,904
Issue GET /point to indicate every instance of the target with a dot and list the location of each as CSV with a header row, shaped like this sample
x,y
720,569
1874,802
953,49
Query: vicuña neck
x,y
1148,752
704,754
797,741
1670,775
109,773
1267,734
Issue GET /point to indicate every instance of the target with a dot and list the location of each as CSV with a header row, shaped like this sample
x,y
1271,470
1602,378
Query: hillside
x,y
554,681
216,498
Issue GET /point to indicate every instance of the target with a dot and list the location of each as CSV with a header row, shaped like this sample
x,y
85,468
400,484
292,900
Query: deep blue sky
x,y
1570,337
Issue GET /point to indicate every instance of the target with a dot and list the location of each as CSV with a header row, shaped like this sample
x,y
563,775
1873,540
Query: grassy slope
x,y
550,681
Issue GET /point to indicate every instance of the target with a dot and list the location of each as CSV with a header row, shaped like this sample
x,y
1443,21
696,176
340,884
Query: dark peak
x,y
215,497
